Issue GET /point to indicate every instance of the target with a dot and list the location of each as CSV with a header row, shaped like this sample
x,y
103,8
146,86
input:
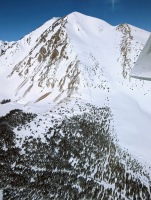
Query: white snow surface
x,y
95,50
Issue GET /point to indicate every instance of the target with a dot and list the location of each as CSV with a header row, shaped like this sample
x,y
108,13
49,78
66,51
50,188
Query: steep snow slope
x,y
13,53
68,63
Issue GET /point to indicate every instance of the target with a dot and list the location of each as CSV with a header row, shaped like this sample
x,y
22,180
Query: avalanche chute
x,y
142,67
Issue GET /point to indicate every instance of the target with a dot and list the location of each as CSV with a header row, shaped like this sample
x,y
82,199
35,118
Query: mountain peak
x,y
77,14
85,138
85,18
37,59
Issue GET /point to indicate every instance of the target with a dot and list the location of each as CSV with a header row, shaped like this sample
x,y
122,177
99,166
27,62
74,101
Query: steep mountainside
x,y
73,124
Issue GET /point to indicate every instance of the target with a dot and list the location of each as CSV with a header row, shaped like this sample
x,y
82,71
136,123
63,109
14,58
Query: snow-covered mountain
x,y
84,128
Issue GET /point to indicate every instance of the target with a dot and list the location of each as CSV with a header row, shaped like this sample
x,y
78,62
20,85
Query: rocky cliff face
x,y
72,120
